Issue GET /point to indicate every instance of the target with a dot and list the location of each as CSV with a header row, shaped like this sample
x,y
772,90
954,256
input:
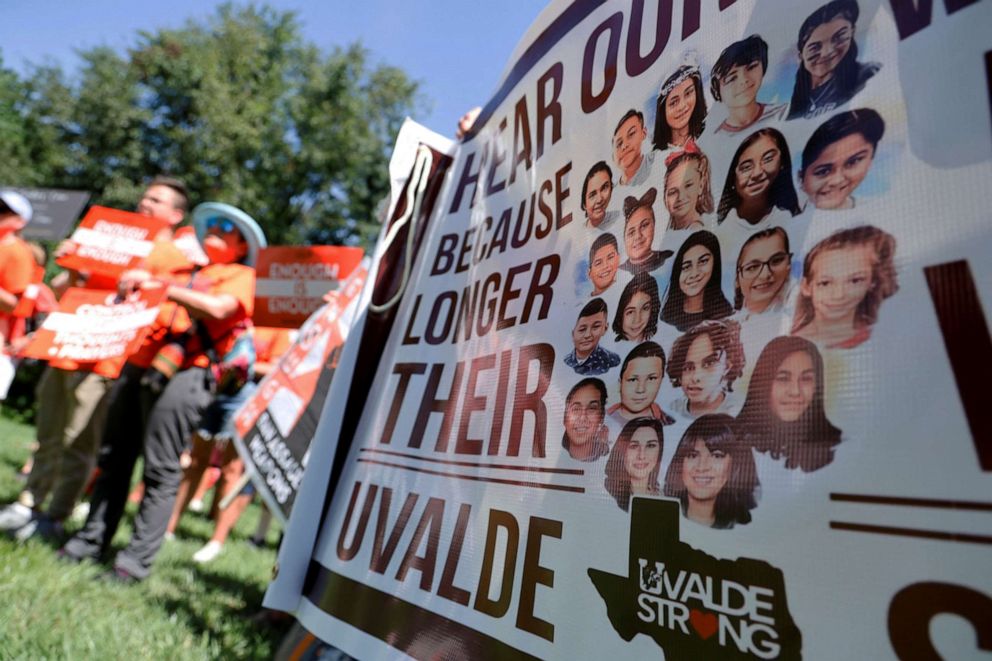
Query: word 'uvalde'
x,y
528,402
499,558
499,166
455,314
489,238
304,271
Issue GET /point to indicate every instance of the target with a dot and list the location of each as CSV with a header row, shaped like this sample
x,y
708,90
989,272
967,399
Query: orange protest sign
x,y
110,241
95,329
292,281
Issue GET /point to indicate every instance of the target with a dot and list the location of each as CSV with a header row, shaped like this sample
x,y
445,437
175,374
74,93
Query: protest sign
x,y
54,212
110,241
275,427
189,245
292,281
692,362
95,329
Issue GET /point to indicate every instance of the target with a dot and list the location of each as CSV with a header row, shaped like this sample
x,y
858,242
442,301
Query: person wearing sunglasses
x,y
761,283
705,362
200,397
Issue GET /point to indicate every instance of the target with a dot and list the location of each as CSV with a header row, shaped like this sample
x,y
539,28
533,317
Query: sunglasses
x,y
226,226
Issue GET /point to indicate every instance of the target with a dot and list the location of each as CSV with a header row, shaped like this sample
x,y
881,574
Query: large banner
x,y
693,361
275,427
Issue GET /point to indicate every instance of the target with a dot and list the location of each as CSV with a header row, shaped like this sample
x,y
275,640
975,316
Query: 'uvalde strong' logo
x,y
693,605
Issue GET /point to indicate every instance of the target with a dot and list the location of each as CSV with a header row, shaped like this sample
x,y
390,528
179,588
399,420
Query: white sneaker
x,y
14,517
80,512
169,536
208,552
196,506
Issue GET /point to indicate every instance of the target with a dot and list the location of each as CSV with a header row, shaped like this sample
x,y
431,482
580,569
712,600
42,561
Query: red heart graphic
x,y
704,623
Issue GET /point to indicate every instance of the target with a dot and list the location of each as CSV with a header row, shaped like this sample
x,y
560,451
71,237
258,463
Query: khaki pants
x,y
71,414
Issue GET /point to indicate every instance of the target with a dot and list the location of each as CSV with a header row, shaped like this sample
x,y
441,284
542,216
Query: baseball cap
x,y
17,203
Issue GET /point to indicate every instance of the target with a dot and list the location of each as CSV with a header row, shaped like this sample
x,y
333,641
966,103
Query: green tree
x,y
240,106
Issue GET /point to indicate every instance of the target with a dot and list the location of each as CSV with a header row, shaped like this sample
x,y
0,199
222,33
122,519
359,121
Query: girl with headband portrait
x,y
845,279
635,461
694,293
829,72
784,413
687,188
713,475
758,190
680,114
837,157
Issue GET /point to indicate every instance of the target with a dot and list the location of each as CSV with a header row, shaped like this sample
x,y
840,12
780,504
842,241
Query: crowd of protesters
x,y
173,402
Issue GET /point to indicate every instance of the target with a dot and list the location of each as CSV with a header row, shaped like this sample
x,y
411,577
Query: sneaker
x,y
14,517
41,526
208,552
196,506
169,536
80,512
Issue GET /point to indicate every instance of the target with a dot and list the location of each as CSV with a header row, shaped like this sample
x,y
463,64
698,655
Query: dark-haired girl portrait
x,y
705,362
837,157
635,461
784,412
636,318
713,474
681,110
694,292
829,72
761,283
758,190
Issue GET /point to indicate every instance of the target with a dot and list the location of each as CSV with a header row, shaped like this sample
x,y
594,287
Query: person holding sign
x,y
635,461
713,474
845,279
829,72
73,398
586,437
215,361
838,155
17,264
784,413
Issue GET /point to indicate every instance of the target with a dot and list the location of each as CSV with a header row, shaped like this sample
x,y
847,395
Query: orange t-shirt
x,y
17,267
237,280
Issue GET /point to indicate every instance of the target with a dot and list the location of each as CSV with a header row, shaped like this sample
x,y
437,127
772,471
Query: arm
x,y
202,305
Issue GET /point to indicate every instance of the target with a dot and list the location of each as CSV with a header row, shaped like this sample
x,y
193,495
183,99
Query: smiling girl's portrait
x,y
829,72
713,474
837,157
694,293
758,189
846,277
635,461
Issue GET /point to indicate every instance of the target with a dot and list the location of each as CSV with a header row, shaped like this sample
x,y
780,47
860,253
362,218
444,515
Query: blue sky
x,y
456,49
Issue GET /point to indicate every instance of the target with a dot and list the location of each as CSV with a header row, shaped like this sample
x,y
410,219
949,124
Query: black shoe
x,y
64,556
118,575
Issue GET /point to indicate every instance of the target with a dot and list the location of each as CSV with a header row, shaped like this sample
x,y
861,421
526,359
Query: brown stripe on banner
x,y
968,345
416,631
476,478
541,46
475,464
912,502
913,532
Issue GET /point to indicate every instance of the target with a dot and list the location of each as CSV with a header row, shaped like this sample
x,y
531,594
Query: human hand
x,y
467,121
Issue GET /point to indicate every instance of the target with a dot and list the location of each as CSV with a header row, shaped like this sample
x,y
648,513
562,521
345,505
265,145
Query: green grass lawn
x,y
52,610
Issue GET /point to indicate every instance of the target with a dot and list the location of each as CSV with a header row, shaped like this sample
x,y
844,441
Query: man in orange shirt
x,y
73,398
220,300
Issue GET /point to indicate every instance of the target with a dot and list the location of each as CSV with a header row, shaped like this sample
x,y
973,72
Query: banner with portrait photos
x,y
693,359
